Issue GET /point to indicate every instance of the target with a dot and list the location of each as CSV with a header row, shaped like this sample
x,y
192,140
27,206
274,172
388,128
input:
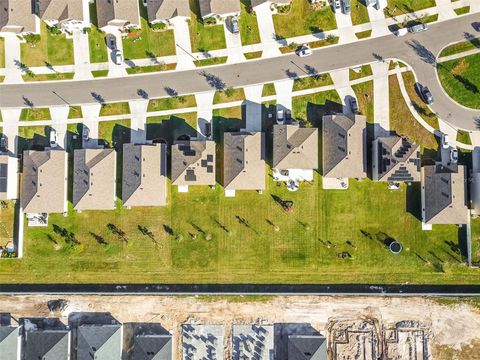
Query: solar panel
x,y
190,175
3,170
209,169
210,158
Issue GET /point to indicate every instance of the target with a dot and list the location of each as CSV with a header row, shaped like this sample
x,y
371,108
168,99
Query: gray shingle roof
x,y
46,344
307,347
444,195
152,347
94,177
17,16
144,175
167,9
60,10
343,146
193,162
117,12
4,160
218,7
100,342
244,161
44,181
9,348
295,147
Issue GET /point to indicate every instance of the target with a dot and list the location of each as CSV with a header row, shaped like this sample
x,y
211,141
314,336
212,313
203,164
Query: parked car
x,y
304,50
401,32
208,130
280,116
118,58
337,6
3,143
354,105
234,27
445,141
346,7
418,28
53,139
476,26
111,41
453,156
85,133
424,93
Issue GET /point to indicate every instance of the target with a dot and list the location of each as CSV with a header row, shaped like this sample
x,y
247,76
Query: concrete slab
x,y
13,73
81,54
138,111
253,342
91,113
10,127
59,116
115,70
378,21
346,32
202,341
234,46
204,109
253,107
284,89
266,29
381,98
334,183
181,33
445,10
341,80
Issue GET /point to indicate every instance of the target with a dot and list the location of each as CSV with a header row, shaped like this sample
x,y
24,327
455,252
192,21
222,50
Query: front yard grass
x,y
248,24
268,90
464,137
466,45
33,137
211,61
314,81
399,7
146,43
302,19
177,102
118,108
2,53
359,12
51,50
33,114
460,78
463,10
204,38
151,68
365,70
229,95
96,38
403,122
114,133
48,77
364,95
310,108
171,127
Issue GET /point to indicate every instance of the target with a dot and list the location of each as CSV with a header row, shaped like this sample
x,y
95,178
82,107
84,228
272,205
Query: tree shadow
x,y
425,55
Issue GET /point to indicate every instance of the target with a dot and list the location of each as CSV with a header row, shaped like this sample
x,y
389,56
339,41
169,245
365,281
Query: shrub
x,y
159,26
210,21
32,39
53,30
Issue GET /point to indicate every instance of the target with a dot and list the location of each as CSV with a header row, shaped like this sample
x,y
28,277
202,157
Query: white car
x,y
454,156
445,141
280,116
118,58
53,139
304,50
401,32
337,6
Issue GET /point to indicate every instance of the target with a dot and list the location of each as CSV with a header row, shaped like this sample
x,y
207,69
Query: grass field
x,y
461,80
2,53
204,37
7,214
96,38
359,12
399,7
248,24
147,43
302,19
177,102
310,82
32,114
365,70
460,47
118,108
50,50
310,108
268,89
229,95
364,95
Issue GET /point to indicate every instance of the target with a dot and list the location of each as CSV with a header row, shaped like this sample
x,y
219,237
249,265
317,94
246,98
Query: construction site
x,y
253,327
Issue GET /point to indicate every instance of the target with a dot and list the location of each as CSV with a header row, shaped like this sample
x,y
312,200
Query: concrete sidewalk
x,y
381,98
234,46
183,46
266,29
13,72
81,52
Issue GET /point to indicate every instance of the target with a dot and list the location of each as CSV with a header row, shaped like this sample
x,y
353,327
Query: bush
x,y
210,21
87,30
283,9
159,26
32,38
53,30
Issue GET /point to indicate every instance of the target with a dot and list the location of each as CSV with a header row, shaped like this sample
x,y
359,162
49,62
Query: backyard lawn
x,y
359,12
96,39
302,19
49,51
7,214
204,38
248,24
399,7
461,80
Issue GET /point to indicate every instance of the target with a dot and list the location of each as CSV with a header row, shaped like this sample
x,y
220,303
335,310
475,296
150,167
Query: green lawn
x,y
399,7
359,12
32,114
364,94
48,77
464,137
365,70
253,55
146,43
75,112
2,53
114,133
463,10
7,214
170,127
33,137
461,80
402,120
96,38
211,61
248,24
229,95
50,50
460,47
302,20
363,34
310,82
310,108
169,103
268,89
118,108
204,37
151,68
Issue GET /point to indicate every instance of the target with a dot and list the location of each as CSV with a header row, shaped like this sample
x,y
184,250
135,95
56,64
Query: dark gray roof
x,y
152,347
335,140
438,190
167,9
101,342
46,344
295,147
307,347
184,154
9,342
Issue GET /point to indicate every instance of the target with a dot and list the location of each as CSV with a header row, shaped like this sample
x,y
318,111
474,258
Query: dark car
x,y
424,93
354,105
3,143
208,130
234,27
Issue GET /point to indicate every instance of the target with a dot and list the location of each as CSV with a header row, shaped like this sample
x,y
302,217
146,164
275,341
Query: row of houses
x,y
24,16
99,336
295,157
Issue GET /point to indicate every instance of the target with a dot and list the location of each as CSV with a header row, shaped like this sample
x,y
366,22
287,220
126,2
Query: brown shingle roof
x,y
17,16
443,195
244,161
144,175
295,147
218,7
117,12
167,9
44,181
193,163
343,146
94,176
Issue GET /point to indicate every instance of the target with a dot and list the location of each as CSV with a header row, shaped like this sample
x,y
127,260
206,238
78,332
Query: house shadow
x,y
42,323
38,142
169,130
414,200
315,112
283,330
76,319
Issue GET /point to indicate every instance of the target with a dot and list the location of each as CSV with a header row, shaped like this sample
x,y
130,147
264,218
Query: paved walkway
x,y
13,74
59,114
253,104
341,81
346,31
459,55
138,110
91,114
183,45
381,103
284,91
234,46
378,21
81,52
204,109
267,30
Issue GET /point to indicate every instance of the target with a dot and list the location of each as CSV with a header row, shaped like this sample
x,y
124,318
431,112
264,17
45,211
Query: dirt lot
x,y
453,327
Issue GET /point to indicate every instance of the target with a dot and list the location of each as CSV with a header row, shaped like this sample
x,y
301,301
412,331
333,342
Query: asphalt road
x,y
418,50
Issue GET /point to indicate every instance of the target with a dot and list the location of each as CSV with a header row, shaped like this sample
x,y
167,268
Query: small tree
x,y
32,39
229,92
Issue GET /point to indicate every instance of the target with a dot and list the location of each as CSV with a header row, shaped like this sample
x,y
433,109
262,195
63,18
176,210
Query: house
x,y
100,342
165,10
94,179
295,152
219,8
144,175
307,347
8,177
67,15
46,339
10,338
244,161
120,14
193,163
16,16
151,344
44,181
395,159
443,195
343,154
475,182
255,3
